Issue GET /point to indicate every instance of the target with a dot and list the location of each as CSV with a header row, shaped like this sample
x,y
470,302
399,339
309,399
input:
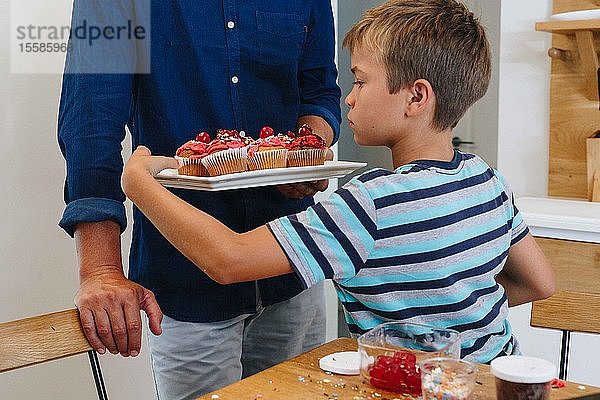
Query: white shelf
x,y
556,218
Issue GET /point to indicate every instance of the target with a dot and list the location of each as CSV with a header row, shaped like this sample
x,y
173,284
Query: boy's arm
x,y
224,255
527,275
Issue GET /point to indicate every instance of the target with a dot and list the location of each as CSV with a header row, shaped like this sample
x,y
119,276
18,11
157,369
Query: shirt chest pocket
x,y
280,38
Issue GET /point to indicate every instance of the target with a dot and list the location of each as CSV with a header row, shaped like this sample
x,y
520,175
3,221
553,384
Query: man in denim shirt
x,y
213,64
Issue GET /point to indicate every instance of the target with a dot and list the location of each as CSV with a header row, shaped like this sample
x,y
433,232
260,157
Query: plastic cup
x,y
447,379
522,378
389,354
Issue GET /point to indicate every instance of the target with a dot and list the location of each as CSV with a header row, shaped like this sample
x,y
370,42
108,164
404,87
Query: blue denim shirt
x,y
281,53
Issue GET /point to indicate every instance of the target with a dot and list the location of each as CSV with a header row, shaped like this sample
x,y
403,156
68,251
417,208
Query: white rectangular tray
x,y
265,177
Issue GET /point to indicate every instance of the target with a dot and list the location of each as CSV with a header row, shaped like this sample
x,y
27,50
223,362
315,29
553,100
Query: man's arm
x,y
317,75
109,304
319,92
527,275
94,107
222,254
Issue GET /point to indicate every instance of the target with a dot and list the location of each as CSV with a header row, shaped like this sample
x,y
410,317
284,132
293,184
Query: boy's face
x,y
376,117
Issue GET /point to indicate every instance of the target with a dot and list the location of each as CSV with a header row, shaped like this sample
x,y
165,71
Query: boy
x,y
436,241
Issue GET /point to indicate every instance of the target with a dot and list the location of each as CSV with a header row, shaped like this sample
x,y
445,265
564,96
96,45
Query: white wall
x,y
480,123
39,273
523,157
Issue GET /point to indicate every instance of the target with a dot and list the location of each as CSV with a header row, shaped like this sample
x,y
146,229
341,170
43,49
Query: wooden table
x,y
301,379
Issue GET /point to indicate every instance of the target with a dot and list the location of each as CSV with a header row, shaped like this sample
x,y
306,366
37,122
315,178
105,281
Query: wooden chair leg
x,y
564,354
97,372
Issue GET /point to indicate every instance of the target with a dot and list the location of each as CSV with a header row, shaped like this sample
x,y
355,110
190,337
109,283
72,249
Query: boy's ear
x,y
421,97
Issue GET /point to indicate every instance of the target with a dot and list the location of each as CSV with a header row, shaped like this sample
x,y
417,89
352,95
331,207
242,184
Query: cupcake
x,y
307,149
227,153
190,156
269,151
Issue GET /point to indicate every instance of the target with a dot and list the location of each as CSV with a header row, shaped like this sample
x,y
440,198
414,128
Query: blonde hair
x,y
437,40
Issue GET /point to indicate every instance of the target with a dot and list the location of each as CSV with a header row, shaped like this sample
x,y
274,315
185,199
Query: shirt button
x,y
235,79
231,24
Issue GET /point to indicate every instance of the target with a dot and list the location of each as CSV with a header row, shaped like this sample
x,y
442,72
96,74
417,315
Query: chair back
x,y
568,311
44,338
575,306
41,338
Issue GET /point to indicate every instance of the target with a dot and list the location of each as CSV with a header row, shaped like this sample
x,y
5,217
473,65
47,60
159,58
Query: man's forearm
x,y
98,247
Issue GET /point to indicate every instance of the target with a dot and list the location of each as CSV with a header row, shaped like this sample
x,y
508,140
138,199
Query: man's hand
x,y
304,189
109,306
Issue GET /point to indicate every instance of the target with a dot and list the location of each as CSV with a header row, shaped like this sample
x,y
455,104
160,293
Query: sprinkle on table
x,y
557,383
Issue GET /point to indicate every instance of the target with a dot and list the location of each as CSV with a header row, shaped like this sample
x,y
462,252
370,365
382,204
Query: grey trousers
x,y
192,359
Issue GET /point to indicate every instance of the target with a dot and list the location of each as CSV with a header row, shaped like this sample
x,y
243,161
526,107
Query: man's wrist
x,y
98,247
89,272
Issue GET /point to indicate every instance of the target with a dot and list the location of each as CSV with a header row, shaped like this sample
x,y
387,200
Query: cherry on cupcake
x,y
203,137
266,131
304,130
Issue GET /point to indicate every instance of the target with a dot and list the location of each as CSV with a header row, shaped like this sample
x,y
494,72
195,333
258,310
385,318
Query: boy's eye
x,y
358,83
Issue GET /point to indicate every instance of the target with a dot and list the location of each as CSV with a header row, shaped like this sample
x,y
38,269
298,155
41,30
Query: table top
x,y
301,379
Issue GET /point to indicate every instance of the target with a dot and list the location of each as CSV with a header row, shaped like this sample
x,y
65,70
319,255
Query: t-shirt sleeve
x,y
518,226
332,239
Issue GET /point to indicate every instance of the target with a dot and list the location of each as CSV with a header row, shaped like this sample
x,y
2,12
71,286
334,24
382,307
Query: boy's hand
x,y
142,161
142,167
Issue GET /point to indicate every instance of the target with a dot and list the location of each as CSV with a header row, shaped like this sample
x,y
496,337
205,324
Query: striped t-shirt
x,y
420,244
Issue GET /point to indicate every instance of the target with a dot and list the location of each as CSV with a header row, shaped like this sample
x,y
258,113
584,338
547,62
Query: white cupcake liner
x,y
226,161
306,158
268,159
191,166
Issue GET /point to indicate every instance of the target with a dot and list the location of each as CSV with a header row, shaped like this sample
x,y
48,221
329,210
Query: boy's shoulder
x,y
374,174
421,175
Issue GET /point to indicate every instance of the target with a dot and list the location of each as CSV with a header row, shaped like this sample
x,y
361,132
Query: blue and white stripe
x,y
420,244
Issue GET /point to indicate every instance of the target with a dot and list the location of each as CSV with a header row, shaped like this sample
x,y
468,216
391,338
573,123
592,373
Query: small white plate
x,y
577,15
344,363
265,177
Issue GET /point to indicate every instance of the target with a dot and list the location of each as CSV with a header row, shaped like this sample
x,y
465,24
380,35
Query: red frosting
x,y
192,149
232,139
311,141
233,135
268,142
224,144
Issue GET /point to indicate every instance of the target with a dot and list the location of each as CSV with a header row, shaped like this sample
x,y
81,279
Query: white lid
x,y
345,363
521,369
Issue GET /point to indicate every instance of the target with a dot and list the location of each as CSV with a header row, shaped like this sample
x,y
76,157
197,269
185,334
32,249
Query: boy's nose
x,y
348,100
